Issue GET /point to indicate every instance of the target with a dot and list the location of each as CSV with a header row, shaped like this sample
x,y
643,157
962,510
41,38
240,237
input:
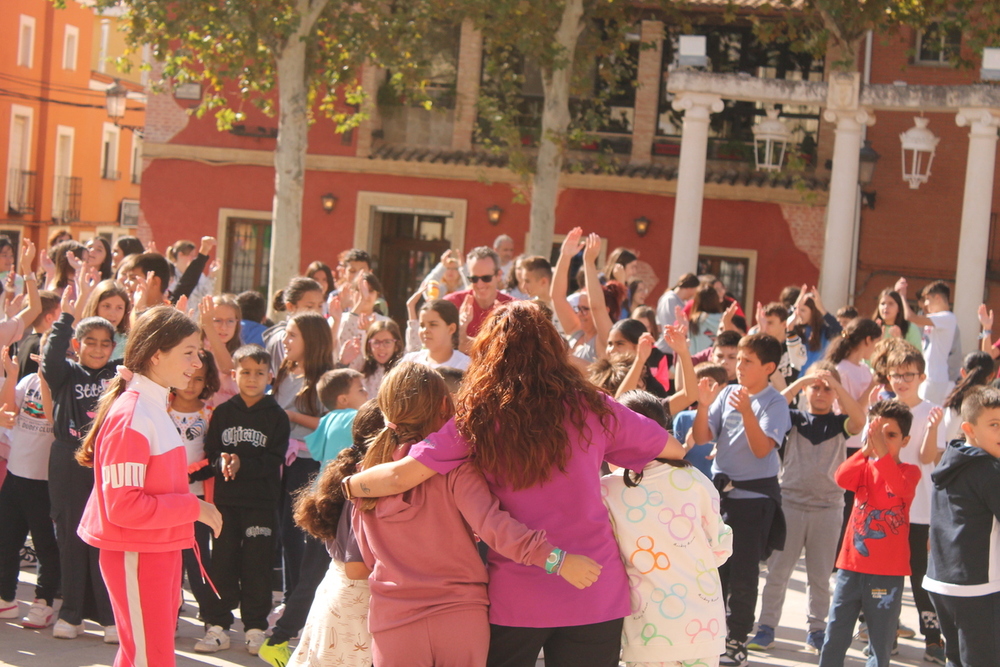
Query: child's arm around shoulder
x,y
508,536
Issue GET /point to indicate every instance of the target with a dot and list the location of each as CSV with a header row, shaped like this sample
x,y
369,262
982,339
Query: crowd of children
x,y
416,484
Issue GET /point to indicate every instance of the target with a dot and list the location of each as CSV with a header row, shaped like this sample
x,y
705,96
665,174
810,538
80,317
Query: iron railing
x,y
20,192
69,192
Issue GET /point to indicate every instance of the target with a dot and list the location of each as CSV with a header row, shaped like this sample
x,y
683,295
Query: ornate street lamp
x,y
770,139
919,145
115,99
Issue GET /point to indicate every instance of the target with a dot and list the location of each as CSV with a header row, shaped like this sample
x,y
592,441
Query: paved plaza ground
x,y
37,648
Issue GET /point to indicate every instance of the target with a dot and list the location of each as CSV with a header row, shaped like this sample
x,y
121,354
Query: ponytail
x,y
85,452
317,507
979,369
853,336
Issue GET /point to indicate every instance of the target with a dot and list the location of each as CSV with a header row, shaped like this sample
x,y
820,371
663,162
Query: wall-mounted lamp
x,y
493,214
329,202
641,225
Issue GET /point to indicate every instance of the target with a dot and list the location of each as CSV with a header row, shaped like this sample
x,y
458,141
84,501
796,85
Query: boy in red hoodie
x,y
875,554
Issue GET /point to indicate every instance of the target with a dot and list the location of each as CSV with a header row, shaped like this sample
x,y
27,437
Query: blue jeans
x,y
879,596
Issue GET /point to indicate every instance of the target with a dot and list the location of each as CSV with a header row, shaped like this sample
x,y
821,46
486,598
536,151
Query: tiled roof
x,y
720,175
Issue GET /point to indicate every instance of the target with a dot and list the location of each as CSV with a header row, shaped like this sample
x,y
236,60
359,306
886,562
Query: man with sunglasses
x,y
483,269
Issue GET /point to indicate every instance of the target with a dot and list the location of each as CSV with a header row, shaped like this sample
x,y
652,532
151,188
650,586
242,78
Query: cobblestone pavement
x,y
37,648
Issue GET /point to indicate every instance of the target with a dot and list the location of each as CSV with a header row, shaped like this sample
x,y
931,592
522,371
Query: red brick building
x,y
410,182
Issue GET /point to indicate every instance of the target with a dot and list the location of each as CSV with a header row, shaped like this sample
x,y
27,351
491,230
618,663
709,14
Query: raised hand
x,y
68,301
676,337
644,347
206,312
10,367
901,287
571,244
985,317
465,313
740,401
350,351
934,417
8,416
207,243
592,249
75,262
26,256
151,247
707,388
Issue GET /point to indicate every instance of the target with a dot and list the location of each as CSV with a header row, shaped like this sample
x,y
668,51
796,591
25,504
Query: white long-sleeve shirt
x,y
672,539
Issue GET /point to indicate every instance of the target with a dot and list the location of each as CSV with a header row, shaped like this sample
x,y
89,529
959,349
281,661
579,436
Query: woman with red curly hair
x,y
539,432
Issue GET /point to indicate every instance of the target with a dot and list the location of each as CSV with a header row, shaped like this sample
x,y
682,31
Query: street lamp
x,y
919,145
641,225
770,139
866,172
115,99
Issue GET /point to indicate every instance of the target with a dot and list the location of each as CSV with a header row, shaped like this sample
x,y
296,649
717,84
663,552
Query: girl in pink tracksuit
x,y
428,585
141,512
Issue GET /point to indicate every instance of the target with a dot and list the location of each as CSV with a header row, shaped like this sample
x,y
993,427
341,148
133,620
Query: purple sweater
x,y
569,508
421,549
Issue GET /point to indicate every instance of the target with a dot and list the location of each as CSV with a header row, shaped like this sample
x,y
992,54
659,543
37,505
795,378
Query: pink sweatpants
x,y
455,639
145,595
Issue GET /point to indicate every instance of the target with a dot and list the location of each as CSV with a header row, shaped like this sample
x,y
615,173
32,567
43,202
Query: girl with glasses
x,y
383,348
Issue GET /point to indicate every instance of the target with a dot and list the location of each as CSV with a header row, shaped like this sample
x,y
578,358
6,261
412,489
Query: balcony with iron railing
x,y
109,174
66,204
20,192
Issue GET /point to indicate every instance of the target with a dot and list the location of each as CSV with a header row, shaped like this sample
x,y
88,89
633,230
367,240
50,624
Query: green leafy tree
x,y
291,57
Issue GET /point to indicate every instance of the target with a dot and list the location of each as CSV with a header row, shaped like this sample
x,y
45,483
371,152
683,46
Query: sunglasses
x,y
485,279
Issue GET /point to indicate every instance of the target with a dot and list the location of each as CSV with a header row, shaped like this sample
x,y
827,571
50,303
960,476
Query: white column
x,y
697,108
973,240
835,274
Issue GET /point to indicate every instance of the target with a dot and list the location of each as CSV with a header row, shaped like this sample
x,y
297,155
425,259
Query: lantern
x,y
329,202
117,95
770,139
493,214
919,145
641,225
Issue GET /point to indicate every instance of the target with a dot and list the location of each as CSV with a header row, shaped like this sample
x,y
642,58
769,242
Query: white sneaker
x,y
8,609
275,614
254,640
39,616
110,634
216,639
64,630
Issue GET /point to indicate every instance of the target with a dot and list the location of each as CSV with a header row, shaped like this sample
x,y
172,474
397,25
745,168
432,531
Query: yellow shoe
x,y
276,655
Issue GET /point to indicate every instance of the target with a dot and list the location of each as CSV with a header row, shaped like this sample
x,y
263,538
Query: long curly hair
x,y
318,506
518,393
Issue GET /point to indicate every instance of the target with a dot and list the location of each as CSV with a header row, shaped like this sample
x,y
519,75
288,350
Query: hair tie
x,y
390,425
843,333
124,373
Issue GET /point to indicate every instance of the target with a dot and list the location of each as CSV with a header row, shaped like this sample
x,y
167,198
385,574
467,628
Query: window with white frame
x,y
71,40
937,45
109,152
135,168
20,181
26,41
102,48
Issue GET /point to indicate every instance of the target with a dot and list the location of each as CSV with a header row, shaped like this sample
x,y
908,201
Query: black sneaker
x,y
735,655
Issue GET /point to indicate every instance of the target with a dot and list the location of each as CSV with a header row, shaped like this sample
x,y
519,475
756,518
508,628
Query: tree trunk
x,y
290,153
555,122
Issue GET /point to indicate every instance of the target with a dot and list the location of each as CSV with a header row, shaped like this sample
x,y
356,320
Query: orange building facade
x,y
66,164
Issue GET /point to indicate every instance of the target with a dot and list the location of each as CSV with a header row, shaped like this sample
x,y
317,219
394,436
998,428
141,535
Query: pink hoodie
x,y
141,500
421,548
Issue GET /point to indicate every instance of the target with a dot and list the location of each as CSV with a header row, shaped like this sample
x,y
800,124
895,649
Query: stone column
x,y
973,240
647,94
697,108
371,79
470,65
842,109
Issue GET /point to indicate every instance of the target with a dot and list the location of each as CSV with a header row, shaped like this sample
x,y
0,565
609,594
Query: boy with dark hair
x,y
962,577
31,344
245,445
342,393
452,377
722,352
811,501
940,328
697,455
875,554
137,269
747,422
253,308
76,388
904,369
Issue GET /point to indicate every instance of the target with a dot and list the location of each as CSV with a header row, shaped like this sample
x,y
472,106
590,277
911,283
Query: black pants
x,y
312,569
84,592
241,568
595,645
202,591
929,626
750,519
24,508
293,538
971,628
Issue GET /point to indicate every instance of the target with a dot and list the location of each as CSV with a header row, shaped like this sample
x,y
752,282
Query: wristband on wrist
x,y
345,486
555,560
985,334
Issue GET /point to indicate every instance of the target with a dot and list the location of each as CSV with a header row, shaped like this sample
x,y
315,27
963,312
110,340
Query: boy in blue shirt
x,y
342,393
747,421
